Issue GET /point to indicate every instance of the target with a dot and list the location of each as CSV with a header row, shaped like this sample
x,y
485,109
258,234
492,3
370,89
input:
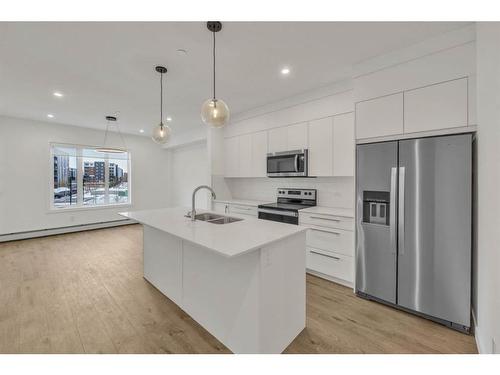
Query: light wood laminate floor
x,y
84,293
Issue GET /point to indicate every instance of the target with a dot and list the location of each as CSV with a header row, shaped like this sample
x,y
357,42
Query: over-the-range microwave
x,y
287,163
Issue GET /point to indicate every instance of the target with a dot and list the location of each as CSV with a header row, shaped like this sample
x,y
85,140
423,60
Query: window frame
x,y
79,206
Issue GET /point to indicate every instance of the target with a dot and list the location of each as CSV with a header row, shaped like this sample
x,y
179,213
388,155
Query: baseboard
x,y
63,230
477,336
330,278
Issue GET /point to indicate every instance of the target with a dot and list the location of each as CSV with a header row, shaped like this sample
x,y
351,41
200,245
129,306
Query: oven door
x,y
287,164
289,217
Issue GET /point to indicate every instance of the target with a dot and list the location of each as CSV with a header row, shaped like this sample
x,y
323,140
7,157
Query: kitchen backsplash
x,y
332,191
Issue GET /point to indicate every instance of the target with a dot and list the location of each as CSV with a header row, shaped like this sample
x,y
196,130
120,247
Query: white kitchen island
x,y
244,282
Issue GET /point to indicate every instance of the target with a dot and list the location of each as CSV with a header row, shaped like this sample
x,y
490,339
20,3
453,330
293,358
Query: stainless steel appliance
x,y
286,209
287,164
413,226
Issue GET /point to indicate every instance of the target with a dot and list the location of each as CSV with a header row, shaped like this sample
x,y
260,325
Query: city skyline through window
x,y
84,177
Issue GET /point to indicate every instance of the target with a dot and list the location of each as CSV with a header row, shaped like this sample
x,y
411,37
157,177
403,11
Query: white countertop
x,y
243,202
226,239
345,212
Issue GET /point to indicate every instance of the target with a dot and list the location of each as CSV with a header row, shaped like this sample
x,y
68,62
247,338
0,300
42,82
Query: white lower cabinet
x,y
330,246
336,240
235,209
325,220
242,210
337,266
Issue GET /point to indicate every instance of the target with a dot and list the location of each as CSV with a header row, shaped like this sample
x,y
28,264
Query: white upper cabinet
x,y
231,157
245,155
278,139
286,138
320,147
297,136
380,117
435,107
343,145
259,154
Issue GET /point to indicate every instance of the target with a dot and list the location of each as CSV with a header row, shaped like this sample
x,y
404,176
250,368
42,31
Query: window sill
x,y
91,208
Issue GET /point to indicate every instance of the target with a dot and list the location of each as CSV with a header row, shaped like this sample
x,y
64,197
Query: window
x,y
84,177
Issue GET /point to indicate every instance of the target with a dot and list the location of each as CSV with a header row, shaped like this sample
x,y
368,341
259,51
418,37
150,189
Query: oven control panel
x,y
297,193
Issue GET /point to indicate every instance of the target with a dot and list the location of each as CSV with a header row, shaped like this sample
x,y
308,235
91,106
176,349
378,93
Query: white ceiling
x,y
107,67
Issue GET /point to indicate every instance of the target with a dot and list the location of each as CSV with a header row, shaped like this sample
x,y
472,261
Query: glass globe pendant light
x,y
161,132
214,112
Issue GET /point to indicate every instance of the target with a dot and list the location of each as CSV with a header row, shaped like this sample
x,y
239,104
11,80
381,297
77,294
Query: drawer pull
x,y
325,255
326,231
324,218
241,208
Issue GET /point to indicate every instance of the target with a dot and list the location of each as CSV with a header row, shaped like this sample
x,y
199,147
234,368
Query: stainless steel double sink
x,y
216,219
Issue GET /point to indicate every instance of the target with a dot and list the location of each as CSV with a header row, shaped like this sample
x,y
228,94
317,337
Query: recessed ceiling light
x,y
182,52
50,115
285,71
141,131
58,94
169,119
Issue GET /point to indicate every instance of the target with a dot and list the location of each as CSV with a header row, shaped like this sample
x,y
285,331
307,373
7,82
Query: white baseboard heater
x,y
61,230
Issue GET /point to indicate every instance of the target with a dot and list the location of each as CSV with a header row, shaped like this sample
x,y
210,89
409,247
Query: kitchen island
x,y
243,281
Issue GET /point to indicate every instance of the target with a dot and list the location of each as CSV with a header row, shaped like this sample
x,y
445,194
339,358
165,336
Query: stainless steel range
x,y
286,209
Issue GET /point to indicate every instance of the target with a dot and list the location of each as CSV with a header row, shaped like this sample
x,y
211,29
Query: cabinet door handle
x,y
242,208
325,255
326,231
324,218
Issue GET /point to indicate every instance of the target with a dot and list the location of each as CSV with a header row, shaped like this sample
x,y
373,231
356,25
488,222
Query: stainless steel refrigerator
x,y
413,226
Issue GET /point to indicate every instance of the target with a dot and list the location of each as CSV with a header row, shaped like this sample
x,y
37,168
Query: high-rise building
x,y
61,170
99,170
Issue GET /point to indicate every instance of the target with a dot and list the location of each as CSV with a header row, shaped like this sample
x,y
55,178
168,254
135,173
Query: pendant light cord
x,y
106,134
161,100
213,33
119,133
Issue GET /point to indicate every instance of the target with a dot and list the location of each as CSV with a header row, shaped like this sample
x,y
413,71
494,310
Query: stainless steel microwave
x,y
287,164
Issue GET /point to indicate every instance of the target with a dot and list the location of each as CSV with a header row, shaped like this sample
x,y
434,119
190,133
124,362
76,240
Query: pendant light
x,y
214,112
106,148
161,132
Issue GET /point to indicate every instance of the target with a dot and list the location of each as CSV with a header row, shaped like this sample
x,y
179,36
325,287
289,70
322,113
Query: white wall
x,y
25,174
487,280
190,168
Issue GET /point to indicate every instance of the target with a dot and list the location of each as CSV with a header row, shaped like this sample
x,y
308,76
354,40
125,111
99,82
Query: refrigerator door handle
x,y
392,213
401,214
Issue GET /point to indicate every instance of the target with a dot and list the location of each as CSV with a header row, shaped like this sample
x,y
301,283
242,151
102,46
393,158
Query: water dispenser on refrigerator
x,y
376,207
